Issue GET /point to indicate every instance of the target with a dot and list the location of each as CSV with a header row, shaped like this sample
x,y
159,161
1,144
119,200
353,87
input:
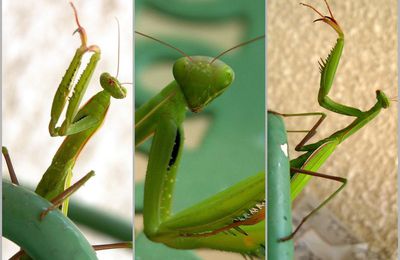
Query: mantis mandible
x,y
198,80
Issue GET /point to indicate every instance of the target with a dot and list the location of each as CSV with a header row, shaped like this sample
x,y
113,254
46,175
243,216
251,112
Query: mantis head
x,y
382,99
202,79
112,86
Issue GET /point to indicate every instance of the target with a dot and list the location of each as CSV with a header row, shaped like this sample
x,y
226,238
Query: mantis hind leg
x,y
63,197
62,93
22,253
330,197
160,177
64,89
310,133
10,166
112,246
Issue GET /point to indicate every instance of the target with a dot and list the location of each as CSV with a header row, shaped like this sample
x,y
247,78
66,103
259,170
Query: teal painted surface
x,y
279,212
56,237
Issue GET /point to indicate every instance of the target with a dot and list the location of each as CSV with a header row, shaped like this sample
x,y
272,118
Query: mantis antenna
x,y
166,44
119,46
237,46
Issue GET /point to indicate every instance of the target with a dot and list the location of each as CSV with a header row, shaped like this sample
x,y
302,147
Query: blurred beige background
x,y
37,48
368,204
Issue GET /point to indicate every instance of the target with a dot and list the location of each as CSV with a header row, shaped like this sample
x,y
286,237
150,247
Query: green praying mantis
x,y
196,226
43,52
315,155
198,80
78,127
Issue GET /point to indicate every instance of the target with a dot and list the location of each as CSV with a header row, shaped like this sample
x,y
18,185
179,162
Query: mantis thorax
x,y
112,86
201,80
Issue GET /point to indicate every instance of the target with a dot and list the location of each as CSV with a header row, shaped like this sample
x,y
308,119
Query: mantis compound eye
x,y
112,86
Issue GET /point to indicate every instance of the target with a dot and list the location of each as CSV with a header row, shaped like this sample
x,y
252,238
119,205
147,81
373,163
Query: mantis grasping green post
x,y
79,125
317,153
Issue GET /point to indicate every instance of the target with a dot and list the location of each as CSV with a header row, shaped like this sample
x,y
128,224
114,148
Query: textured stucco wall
x,y
368,205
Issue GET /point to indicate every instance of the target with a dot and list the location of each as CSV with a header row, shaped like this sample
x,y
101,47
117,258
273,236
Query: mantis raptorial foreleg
x,y
81,124
318,152
59,199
